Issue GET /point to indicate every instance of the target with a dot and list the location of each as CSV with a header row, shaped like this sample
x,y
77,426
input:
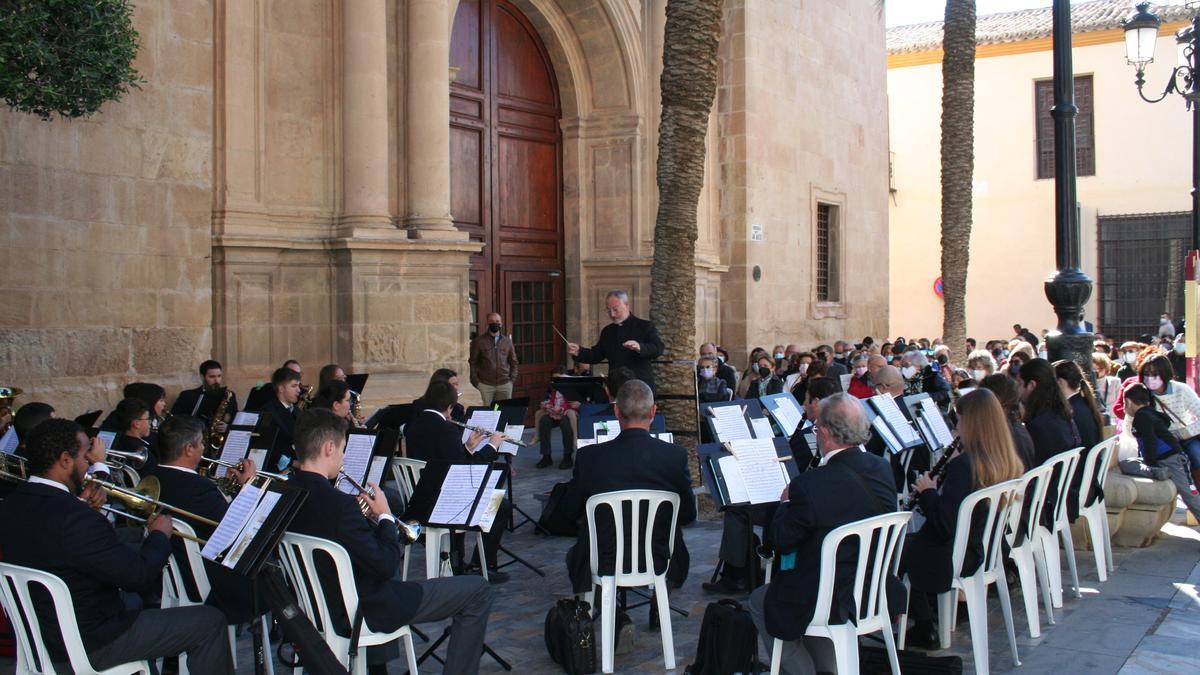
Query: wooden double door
x,y
506,180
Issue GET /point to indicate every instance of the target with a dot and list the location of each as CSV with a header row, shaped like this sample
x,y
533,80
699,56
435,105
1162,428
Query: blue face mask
x,y
1180,347
706,373
889,358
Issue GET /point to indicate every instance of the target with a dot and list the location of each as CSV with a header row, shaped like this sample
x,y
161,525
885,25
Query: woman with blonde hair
x,y
986,456
1108,385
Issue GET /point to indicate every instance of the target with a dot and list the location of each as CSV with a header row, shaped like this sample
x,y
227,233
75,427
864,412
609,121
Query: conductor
x,y
628,341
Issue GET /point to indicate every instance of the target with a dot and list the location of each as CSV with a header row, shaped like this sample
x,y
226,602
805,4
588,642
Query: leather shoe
x,y
923,635
495,576
544,462
566,463
723,586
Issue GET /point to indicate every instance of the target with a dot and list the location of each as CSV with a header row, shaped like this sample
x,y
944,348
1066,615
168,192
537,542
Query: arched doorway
x,y
506,179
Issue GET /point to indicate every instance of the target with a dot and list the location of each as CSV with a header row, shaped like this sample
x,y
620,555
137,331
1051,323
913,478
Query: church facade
x,y
363,181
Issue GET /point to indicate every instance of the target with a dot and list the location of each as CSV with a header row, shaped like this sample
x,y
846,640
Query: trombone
x,y
143,499
411,529
488,432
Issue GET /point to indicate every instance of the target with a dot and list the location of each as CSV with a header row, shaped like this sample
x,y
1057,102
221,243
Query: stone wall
x,y
105,228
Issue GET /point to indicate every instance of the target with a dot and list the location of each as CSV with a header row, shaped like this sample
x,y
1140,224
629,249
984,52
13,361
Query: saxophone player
x,y
212,384
332,372
335,395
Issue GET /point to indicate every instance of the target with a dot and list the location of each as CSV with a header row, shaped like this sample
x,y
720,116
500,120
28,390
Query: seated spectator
x,y
767,382
557,411
860,385
1157,445
709,387
724,370
1108,385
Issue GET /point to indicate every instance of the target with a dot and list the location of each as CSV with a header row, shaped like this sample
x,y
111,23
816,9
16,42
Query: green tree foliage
x,y
66,56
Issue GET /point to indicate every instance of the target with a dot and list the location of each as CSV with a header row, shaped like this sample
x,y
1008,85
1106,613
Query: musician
x,y
633,460
335,395
212,384
374,547
458,413
180,447
332,372
628,341
26,420
817,391
44,525
134,417
281,410
431,438
493,362
1009,395
988,457
848,485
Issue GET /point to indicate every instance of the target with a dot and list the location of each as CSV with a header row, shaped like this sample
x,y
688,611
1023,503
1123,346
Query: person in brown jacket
x,y
493,362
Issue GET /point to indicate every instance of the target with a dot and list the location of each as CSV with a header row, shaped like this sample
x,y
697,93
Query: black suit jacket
x,y
285,421
853,485
187,402
928,553
608,348
49,529
634,460
430,438
126,443
231,592
375,552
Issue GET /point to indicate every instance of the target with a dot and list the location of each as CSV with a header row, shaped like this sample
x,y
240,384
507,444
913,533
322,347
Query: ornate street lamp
x,y
1141,34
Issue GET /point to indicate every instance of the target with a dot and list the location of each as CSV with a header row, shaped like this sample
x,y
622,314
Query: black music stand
x,y
708,432
580,388
88,419
258,397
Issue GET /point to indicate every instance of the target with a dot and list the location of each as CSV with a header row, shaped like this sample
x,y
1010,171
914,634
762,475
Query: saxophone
x,y
307,394
217,438
356,409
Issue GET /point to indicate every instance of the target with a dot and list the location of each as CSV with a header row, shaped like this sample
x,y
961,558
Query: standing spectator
x,y
1025,334
832,367
980,363
493,363
1166,329
1177,355
1128,359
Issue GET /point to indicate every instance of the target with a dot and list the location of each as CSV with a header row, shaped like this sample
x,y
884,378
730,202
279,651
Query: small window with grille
x,y
1085,143
828,263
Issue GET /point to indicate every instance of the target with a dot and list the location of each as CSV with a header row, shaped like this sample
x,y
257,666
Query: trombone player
x,y
180,447
43,518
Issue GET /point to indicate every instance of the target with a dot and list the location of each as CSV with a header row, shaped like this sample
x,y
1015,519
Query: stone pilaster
x,y
364,117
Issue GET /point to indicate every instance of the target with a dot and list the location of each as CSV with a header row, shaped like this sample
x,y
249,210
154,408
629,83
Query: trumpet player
x,y
180,446
374,546
43,518
134,418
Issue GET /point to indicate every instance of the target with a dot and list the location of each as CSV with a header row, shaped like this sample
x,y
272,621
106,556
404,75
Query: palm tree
x,y
688,84
958,166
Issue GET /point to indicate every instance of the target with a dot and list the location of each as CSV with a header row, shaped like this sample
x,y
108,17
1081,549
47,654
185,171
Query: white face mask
x,y
706,373
1153,383
1129,357
802,369
1041,354
978,374
778,355
1180,347
859,372
908,372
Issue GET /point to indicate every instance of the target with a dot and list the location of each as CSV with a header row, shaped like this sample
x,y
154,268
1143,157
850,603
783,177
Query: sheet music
x,y
579,443
512,431
485,419
787,414
375,475
235,518
253,525
258,456
107,438
755,473
610,428
458,493
734,485
665,436
247,419
9,443
889,439
729,423
901,429
485,515
935,423
762,427
237,442
357,460
845,379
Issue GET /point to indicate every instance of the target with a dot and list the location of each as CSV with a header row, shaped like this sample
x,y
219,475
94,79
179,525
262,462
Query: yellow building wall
x,y
1142,165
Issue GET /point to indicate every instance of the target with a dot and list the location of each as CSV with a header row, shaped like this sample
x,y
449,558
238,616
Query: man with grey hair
x,y
628,341
634,460
847,486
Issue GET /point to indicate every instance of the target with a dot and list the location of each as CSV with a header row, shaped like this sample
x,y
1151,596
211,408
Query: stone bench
x,y
1137,510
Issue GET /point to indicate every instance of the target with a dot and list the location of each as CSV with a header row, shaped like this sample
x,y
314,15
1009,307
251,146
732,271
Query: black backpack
x,y
728,641
571,637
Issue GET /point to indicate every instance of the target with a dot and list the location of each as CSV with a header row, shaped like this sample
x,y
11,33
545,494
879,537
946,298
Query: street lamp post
x,y
1141,35
1069,288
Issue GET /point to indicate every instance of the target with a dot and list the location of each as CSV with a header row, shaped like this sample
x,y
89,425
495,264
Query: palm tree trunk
x,y
958,166
688,84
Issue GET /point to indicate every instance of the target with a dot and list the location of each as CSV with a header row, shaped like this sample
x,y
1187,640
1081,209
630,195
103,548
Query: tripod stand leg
x,y
518,559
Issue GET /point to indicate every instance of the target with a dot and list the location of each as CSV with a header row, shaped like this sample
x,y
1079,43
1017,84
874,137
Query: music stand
x,y
258,397
708,431
357,382
580,388
88,419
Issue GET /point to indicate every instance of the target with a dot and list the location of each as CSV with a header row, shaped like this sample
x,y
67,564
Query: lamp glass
x,y
1139,45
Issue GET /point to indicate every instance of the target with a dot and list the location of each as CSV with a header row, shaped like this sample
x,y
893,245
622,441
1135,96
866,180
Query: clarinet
x,y
938,469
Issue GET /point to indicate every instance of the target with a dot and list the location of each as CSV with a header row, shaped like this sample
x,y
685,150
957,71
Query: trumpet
x,y
488,432
241,466
136,459
411,529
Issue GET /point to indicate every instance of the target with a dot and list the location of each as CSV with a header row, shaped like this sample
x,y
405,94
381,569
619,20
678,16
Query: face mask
x,y
908,372
764,371
1180,348
978,374
778,355
494,327
721,358
802,369
1129,357
1041,355
706,373
859,372
889,358
1153,383
1004,353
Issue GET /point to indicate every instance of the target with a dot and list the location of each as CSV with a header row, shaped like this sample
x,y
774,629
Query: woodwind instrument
x,y
488,432
935,474
217,438
356,408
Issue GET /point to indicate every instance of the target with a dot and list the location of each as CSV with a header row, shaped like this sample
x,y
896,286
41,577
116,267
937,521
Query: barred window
x,y
828,265
1085,149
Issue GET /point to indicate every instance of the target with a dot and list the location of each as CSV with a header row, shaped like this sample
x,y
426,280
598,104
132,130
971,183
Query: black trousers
x,y
544,427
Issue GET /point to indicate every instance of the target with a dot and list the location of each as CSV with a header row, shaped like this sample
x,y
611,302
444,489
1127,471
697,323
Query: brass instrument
x,y
488,432
224,481
217,438
307,394
411,529
938,469
12,468
136,459
143,498
125,514
7,396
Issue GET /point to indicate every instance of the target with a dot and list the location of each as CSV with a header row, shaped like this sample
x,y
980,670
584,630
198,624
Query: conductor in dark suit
x,y
281,411
180,447
633,461
429,437
44,525
627,341
848,485
374,546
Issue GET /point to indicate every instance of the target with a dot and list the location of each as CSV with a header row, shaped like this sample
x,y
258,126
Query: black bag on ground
x,y
728,641
553,521
875,660
571,637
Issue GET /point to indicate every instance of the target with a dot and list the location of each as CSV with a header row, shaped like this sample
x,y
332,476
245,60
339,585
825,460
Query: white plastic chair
x,y
1095,470
1023,541
1059,528
641,558
880,540
407,473
174,593
297,552
32,654
994,502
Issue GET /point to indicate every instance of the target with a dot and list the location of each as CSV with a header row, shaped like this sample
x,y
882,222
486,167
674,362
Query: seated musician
x,y
616,378
557,411
634,460
373,544
335,395
44,525
332,372
848,485
180,447
26,420
818,390
281,411
212,384
457,412
134,415
155,398
987,457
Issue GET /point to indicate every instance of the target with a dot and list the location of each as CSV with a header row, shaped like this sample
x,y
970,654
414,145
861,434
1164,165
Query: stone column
x,y
365,201
427,121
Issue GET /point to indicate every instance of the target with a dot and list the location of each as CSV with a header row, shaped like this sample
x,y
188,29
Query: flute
x,y
488,432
